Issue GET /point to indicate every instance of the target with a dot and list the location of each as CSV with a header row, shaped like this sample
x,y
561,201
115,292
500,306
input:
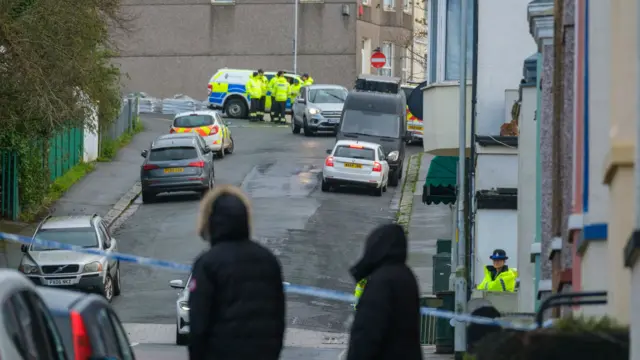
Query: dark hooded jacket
x,y
387,322
236,293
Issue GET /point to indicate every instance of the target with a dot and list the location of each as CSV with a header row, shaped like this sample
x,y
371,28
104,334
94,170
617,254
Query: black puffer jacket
x,y
236,294
387,322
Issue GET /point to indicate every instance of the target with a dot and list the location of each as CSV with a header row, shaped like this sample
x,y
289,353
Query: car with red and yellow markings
x,y
209,124
414,125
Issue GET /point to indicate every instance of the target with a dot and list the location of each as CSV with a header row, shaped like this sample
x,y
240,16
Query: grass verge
x,y
403,216
57,189
110,147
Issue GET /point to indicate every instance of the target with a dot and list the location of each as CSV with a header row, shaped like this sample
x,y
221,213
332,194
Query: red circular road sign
x,y
378,59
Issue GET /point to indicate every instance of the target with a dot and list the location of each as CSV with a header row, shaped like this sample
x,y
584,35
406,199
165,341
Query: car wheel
x,y
393,178
181,339
230,149
400,171
107,290
117,287
148,197
384,188
236,108
325,186
377,191
305,127
295,128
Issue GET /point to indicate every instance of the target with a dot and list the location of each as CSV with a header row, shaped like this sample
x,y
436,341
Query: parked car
x,y
176,163
182,310
69,269
318,108
356,163
209,125
27,328
89,327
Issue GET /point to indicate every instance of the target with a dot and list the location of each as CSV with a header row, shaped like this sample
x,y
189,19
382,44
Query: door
x,y
384,163
298,109
121,336
109,246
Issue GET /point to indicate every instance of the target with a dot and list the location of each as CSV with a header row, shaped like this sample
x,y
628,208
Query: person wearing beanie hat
x,y
499,277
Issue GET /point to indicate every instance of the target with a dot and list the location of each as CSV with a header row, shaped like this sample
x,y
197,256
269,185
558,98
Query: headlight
x,y
184,305
92,267
313,111
29,269
393,156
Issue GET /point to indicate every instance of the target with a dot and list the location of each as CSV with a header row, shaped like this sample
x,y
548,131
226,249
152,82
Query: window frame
x,y
388,66
407,6
437,59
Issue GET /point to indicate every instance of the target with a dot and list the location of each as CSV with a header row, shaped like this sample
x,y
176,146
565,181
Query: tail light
x,y
328,161
199,164
210,88
172,130
81,342
148,167
356,146
377,167
214,130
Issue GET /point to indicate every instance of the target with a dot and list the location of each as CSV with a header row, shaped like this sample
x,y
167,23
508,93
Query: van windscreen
x,y
371,123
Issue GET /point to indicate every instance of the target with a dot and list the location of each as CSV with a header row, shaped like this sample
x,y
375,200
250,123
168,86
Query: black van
x,y
379,118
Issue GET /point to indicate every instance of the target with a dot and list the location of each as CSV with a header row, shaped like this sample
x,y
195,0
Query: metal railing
x,y
9,204
126,122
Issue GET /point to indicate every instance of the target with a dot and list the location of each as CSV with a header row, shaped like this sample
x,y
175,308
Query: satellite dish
x,y
414,101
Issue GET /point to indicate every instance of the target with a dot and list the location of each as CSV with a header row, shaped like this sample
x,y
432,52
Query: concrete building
x,y
177,45
416,54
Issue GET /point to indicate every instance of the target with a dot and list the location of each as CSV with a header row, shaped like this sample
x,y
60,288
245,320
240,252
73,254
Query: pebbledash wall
x,y
177,45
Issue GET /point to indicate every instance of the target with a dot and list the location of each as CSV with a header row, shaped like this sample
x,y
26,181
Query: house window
x,y
226,2
366,2
366,56
387,50
444,40
389,5
407,6
406,64
453,37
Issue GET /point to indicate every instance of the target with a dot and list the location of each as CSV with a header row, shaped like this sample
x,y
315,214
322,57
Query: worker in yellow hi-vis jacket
x,y
358,292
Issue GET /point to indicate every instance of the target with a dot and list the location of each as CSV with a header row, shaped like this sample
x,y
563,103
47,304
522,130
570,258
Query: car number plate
x,y
414,127
333,121
58,282
354,166
173,170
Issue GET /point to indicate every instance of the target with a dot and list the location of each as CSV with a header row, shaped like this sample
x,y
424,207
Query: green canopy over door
x,y
440,185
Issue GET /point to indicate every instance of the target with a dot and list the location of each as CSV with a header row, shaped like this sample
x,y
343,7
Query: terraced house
x,y
178,44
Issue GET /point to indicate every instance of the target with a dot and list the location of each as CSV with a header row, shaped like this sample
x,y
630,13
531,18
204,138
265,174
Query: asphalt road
x,y
317,237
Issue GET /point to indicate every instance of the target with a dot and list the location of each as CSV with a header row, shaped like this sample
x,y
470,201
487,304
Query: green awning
x,y
440,185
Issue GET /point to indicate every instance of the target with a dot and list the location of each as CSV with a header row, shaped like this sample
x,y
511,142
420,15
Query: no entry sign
x,y
378,59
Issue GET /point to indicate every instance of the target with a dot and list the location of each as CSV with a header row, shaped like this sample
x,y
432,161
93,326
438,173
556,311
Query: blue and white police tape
x,y
295,289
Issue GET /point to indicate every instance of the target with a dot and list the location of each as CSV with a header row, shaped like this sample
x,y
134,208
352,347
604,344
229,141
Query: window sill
x,y
367,4
445,84
311,1
389,9
407,11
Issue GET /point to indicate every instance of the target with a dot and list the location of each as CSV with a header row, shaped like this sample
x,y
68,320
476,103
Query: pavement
x,y
317,236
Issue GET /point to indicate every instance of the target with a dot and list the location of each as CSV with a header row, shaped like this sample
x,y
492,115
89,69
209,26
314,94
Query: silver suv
x,y
68,269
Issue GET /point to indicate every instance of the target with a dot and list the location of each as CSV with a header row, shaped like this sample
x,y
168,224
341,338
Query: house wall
x,y
499,62
526,197
440,115
177,45
598,111
496,169
487,238
91,142
546,160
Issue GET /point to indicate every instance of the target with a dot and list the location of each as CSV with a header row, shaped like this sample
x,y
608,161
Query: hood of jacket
x,y
387,244
225,215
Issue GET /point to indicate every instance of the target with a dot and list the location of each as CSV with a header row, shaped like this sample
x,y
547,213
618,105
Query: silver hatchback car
x,y
73,270
175,163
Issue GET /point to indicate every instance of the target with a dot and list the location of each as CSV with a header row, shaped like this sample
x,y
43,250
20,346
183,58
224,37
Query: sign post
x,y
378,60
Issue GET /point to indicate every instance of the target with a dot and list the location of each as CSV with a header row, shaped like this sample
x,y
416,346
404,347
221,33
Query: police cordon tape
x,y
295,289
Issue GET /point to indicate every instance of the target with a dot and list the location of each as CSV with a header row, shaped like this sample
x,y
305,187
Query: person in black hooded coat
x,y
236,295
387,321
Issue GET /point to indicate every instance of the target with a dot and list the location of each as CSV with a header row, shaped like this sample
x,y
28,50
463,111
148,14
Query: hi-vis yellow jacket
x,y
359,290
505,280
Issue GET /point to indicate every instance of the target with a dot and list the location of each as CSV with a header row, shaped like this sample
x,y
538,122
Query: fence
x,y
125,122
65,151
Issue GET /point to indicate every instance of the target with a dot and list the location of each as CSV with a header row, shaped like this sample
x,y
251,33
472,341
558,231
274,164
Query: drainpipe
x,y
472,156
558,107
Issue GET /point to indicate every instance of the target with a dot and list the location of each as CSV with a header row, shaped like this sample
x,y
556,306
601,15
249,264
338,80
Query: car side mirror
x,y
301,101
176,284
24,248
144,153
207,149
329,151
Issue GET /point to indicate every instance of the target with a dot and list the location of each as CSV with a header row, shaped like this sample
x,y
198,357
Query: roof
x,y
13,281
365,144
66,222
57,299
189,135
197,112
380,78
369,100
165,141
325,86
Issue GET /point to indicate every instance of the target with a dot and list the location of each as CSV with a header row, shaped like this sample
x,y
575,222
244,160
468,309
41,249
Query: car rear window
x,y
355,153
192,121
173,153
85,237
